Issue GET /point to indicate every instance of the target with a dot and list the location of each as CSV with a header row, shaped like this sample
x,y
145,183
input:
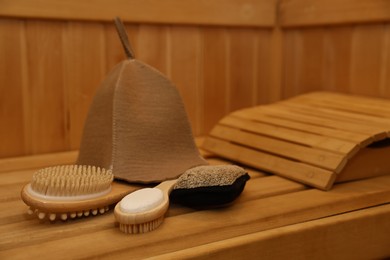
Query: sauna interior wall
x,y
50,66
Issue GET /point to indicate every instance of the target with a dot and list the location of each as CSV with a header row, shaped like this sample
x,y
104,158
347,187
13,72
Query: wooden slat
x,y
291,135
337,67
185,69
45,86
202,227
37,161
13,79
82,76
378,133
356,104
242,68
324,159
301,172
214,76
220,12
252,114
312,109
152,46
367,54
267,66
309,13
334,232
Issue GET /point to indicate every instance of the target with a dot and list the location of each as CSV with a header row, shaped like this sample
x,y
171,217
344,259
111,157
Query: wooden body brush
x,y
204,186
71,191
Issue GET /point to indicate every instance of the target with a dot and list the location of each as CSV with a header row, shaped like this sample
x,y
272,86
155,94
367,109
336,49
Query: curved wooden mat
x,y
317,138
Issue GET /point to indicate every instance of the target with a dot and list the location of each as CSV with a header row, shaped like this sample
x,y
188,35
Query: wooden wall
x,y
336,45
222,55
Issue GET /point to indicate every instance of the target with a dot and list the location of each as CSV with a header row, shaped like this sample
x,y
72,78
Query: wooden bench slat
x,y
320,158
301,172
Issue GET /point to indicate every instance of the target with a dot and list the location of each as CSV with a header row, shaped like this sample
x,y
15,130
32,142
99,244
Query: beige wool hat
x,y
137,125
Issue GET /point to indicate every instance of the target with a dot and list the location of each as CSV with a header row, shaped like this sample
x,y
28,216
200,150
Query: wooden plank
x,y
301,172
45,87
378,133
214,76
337,65
152,46
367,232
312,109
37,161
202,227
242,67
185,68
13,80
255,115
357,104
219,12
385,64
291,135
367,52
309,13
320,158
274,70
81,76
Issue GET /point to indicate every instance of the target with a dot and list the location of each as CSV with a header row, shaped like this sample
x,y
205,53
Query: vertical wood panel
x,y
311,76
367,48
338,43
242,92
215,73
185,70
151,46
367,51
385,66
292,63
84,69
266,70
46,112
12,138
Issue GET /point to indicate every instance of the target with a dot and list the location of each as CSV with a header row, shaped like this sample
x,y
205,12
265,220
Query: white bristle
x,y
86,213
94,212
73,215
79,214
141,228
101,211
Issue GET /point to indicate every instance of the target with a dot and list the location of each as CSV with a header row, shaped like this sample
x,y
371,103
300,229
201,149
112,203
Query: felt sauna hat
x,y
137,125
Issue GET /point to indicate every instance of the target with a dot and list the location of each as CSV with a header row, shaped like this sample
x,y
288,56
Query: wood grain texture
x,y
45,90
220,12
350,59
246,225
217,69
242,67
306,239
13,78
81,75
309,13
185,70
215,73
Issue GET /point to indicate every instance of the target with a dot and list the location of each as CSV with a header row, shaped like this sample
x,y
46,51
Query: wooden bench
x,y
274,217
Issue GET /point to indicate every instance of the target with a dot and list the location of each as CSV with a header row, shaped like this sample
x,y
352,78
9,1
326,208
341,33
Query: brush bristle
x,y
141,228
71,180
208,176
